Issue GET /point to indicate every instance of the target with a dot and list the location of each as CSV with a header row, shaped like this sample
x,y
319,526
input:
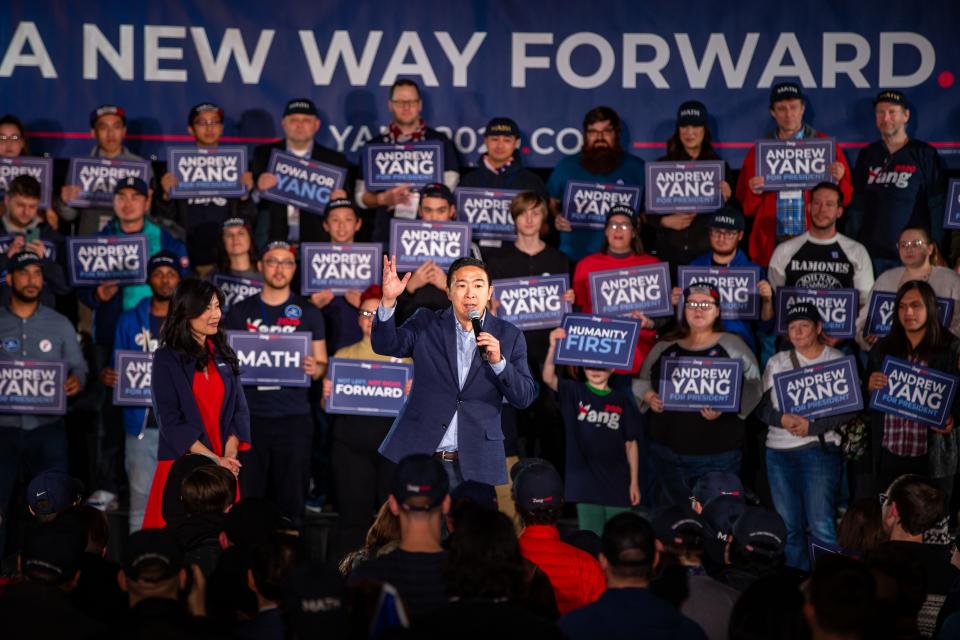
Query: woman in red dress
x,y
197,397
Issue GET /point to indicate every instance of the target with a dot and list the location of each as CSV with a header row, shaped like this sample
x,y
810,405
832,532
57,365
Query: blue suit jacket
x,y
429,337
176,409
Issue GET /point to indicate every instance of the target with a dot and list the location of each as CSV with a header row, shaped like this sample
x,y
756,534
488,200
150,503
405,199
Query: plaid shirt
x,y
904,437
791,217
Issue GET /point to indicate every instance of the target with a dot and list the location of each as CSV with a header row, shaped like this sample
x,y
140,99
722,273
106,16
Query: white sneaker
x,y
103,500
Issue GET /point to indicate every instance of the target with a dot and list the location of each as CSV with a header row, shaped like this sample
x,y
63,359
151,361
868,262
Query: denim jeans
x,y
805,485
677,472
140,462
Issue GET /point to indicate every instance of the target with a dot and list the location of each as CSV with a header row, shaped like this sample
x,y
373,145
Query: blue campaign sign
x,y
684,187
532,303
207,171
302,182
794,164
414,242
33,386
598,342
737,286
235,288
49,248
367,387
339,267
951,214
98,177
92,260
915,393
838,308
585,204
134,370
820,390
487,211
39,168
619,292
880,313
691,384
271,359
414,163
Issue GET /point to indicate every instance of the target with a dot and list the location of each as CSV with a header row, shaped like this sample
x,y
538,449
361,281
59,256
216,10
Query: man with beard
x,y
823,258
280,417
202,218
138,329
406,106
31,331
602,161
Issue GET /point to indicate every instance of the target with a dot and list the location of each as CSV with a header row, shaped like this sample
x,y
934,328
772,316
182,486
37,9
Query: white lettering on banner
x,y
27,35
95,45
203,168
907,386
341,266
138,374
530,299
801,159
817,386
598,201
832,310
427,242
14,170
111,257
732,289
674,184
629,290
701,380
487,210
100,178
367,390
28,382
405,162
267,358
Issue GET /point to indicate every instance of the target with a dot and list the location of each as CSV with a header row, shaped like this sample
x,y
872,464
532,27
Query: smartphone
x,y
31,235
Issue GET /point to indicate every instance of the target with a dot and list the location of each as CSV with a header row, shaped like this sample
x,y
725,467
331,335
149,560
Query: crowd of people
x,y
621,517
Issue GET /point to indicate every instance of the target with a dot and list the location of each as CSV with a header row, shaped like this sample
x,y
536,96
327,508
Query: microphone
x,y
475,321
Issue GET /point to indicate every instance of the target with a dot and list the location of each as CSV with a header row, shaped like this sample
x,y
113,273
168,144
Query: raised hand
x,y
392,285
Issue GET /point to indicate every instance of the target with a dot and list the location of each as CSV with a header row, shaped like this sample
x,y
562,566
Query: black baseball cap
x,y
785,91
419,476
131,182
341,203
728,218
704,288
803,311
680,525
538,486
51,491
478,493
164,258
153,548
522,464
719,516
197,109
621,210
303,106
23,260
892,96
55,548
437,190
502,127
692,112
717,483
760,531
234,222
107,110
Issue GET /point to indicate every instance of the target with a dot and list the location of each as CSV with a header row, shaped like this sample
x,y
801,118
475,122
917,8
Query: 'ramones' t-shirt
x,y
296,314
820,266
597,426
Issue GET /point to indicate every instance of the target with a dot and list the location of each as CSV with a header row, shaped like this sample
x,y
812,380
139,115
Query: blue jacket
x,y
106,314
176,409
130,326
429,338
743,328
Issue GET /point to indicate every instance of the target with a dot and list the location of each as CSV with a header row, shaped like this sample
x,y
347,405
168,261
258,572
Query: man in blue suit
x,y
453,410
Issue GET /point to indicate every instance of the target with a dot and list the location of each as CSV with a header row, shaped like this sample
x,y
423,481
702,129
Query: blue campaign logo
x,y
915,393
203,172
11,344
293,311
690,384
820,390
619,292
737,286
794,164
594,341
585,204
39,168
684,186
303,183
837,307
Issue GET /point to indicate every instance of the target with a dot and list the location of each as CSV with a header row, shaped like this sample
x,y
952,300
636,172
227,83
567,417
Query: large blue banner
x,y
58,60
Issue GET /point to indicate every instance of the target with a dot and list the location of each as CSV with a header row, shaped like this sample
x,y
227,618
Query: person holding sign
x,y
804,465
29,330
197,397
687,445
779,215
500,166
466,363
602,430
602,160
300,124
201,218
236,254
921,260
681,237
900,445
13,144
621,248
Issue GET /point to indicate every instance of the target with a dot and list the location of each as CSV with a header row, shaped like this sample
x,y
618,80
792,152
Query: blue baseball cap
x,y
717,483
131,182
53,491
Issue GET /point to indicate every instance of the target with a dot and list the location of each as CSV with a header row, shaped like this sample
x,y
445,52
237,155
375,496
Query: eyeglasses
x,y
911,244
723,233
883,498
366,314
207,123
406,103
273,262
699,304
619,226
13,138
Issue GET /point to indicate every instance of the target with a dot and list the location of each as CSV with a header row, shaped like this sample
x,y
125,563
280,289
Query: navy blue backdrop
x,y
543,63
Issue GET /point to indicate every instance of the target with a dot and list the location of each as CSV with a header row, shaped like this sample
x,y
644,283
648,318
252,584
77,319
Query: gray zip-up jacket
x,y
46,335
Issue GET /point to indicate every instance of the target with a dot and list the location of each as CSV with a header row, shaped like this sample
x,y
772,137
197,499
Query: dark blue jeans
x,y
805,485
677,473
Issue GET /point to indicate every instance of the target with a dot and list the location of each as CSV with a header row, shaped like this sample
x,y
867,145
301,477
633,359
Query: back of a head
x,y
919,502
271,563
538,492
419,485
771,607
485,559
94,524
208,489
842,593
50,492
172,507
759,540
861,527
629,545
252,521
152,560
51,551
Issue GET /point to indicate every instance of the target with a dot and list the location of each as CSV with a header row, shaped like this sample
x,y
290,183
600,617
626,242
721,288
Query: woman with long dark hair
x,y
236,253
687,445
197,397
900,445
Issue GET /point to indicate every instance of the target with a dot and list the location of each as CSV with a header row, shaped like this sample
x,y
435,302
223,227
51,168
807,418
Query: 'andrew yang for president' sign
x,y
880,312
98,177
367,387
389,165
487,211
134,370
339,267
916,393
95,259
205,172
684,187
691,384
33,386
794,164
414,242
39,168
820,390
838,308
619,292
585,204
532,303
737,287
593,341
236,288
